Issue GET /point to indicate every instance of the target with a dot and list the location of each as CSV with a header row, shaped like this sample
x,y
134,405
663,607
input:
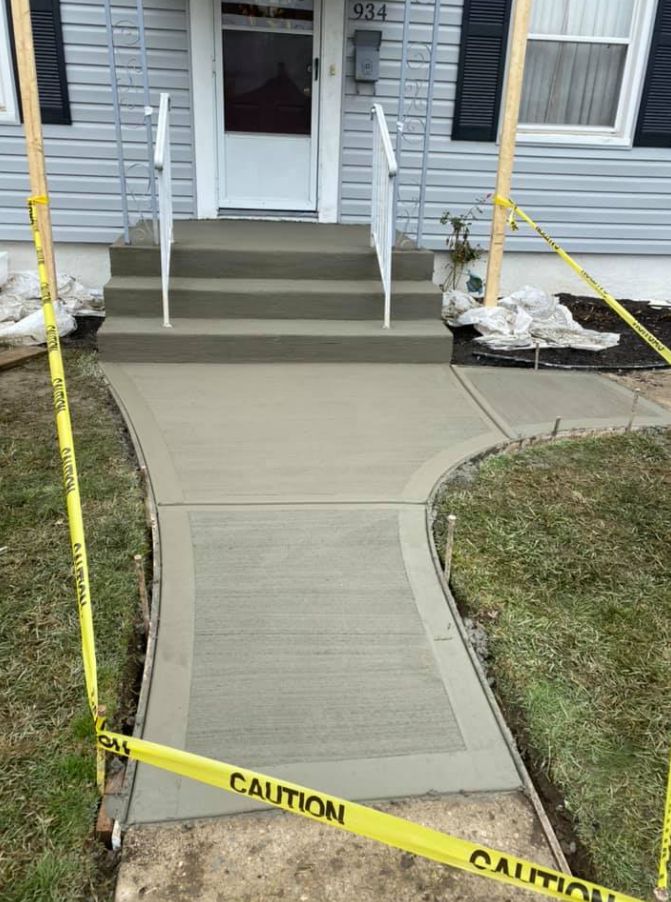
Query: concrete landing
x,y
303,628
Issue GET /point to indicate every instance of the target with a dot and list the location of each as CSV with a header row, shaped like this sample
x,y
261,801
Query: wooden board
x,y
16,356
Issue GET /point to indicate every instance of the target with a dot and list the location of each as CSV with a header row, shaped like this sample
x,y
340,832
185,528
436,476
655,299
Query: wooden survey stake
x,y
32,120
511,112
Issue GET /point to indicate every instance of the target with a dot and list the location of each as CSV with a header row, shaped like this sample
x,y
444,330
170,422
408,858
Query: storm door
x,y
268,97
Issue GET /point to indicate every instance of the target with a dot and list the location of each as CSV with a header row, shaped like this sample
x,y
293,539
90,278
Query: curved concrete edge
x,y
421,484
171,540
135,410
173,659
506,732
480,731
120,803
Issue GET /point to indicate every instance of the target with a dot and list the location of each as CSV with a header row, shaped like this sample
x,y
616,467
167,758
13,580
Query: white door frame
x,y
261,203
204,99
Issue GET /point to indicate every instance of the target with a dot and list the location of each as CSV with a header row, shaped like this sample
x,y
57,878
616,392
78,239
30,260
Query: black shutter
x,y
654,118
52,82
482,57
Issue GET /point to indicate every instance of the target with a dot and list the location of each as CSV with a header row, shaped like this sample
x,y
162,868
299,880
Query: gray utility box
x,y
367,54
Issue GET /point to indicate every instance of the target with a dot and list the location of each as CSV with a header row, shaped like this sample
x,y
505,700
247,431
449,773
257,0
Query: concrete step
x,y
220,249
214,262
140,340
271,298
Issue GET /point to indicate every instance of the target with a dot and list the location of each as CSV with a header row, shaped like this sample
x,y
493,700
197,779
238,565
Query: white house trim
x,y
204,108
204,86
332,84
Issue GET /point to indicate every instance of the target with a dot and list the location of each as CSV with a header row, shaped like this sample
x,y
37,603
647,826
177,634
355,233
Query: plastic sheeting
x,y
29,330
525,319
21,308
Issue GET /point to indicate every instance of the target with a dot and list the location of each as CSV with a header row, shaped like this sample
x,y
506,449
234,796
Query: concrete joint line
x,y
499,422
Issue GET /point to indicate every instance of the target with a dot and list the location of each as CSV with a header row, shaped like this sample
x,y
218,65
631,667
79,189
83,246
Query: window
x,y
52,82
8,104
584,70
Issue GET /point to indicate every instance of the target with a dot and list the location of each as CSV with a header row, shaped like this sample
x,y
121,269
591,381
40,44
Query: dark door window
x,y
267,54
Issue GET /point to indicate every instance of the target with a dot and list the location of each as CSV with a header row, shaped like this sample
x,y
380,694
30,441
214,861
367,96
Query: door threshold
x,y
272,215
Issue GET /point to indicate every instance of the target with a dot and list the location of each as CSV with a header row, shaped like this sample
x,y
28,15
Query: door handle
x,y
316,68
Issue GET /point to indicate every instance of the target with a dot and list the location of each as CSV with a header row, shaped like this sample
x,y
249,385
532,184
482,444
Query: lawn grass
x,y
48,797
563,554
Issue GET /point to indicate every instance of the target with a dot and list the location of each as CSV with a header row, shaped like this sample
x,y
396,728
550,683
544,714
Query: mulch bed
x,y
84,336
631,353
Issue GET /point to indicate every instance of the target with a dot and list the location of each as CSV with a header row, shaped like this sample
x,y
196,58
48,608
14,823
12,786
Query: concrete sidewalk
x,y
276,856
303,628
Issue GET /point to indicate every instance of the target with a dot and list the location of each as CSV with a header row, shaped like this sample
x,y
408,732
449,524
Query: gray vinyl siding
x,y
591,199
82,157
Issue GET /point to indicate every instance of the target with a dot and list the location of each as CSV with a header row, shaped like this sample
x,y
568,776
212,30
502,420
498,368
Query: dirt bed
x,y
631,353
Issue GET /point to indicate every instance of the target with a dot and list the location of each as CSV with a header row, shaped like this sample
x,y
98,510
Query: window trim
x,y
10,113
633,78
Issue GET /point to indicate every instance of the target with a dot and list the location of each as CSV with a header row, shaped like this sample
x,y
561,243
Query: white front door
x,y
268,96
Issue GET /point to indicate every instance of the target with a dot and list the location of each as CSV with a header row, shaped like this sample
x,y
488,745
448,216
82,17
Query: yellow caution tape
x,y
363,821
665,855
70,478
630,320
300,800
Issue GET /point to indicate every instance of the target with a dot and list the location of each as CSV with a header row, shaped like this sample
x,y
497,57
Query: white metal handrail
x,y
382,203
162,165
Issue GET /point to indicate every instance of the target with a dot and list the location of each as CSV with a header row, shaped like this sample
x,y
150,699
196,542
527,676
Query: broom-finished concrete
x,y
303,628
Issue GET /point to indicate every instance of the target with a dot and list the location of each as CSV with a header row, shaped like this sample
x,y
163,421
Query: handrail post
x,y
162,165
383,179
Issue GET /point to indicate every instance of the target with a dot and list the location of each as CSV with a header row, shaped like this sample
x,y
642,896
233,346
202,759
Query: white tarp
x,y
525,319
21,307
29,330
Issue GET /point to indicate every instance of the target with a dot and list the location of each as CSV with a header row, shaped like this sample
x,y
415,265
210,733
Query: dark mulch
x,y
84,336
631,353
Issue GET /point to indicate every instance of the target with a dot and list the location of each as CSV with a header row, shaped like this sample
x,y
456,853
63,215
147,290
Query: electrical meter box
x,y
367,54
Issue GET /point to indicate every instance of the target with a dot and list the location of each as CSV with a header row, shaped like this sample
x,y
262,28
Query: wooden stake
x,y
32,120
634,405
449,546
100,756
142,589
511,112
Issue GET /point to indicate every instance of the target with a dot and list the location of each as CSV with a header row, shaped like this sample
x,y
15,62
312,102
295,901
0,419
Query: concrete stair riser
x,y
271,299
242,341
221,263
268,349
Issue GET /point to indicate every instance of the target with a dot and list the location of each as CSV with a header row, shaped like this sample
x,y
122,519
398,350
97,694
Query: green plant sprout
x,y
461,249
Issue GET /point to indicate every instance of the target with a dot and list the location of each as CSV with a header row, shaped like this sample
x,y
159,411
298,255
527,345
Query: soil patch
x,y
655,385
278,856
592,313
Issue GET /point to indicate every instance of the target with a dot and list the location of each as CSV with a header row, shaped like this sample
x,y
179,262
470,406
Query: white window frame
x,y
633,76
9,108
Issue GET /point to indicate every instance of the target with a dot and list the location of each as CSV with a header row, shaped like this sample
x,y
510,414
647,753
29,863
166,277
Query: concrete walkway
x,y
303,629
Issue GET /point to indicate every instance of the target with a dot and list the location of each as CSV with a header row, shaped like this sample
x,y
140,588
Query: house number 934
x,y
370,11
